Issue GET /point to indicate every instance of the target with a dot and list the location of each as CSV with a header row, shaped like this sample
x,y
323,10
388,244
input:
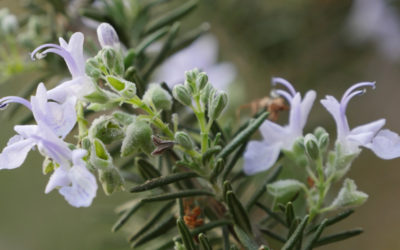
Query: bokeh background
x,y
326,45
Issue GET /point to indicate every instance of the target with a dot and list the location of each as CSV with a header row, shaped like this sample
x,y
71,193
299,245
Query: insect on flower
x,y
272,105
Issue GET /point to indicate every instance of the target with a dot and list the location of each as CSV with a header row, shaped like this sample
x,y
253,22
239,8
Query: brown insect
x,y
272,105
191,216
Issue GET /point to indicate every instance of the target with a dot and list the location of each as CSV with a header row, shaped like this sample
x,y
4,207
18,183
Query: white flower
x,y
72,53
384,143
261,155
202,54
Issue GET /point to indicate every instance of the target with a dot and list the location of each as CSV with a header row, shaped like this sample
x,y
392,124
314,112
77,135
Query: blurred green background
x,y
309,43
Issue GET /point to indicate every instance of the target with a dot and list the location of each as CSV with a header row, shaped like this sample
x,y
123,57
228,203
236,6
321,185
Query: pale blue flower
x,y
201,54
261,155
384,143
75,182
72,53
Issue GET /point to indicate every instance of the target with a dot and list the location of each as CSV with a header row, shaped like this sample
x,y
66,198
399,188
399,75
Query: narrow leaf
x,y
179,194
162,181
239,214
243,136
273,215
334,219
273,235
204,243
125,216
296,235
163,227
317,234
186,236
338,237
244,238
152,221
171,17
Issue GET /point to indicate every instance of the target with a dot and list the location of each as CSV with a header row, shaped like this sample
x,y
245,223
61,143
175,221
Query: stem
x,y
204,129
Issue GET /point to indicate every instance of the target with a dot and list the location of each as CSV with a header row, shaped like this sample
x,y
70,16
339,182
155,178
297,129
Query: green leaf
x,y
125,216
186,236
234,160
163,180
273,215
289,213
204,243
335,219
297,234
152,222
283,188
338,237
149,40
160,229
317,234
171,17
239,214
244,238
179,194
243,136
147,170
273,235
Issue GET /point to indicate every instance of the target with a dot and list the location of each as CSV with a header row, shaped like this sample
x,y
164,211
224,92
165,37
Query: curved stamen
x,y
16,99
288,85
356,86
56,49
285,94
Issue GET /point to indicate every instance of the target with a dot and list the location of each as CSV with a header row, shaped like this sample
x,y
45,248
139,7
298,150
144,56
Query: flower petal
x,y
14,154
333,107
77,87
59,178
306,106
365,133
260,157
83,189
386,144
272,132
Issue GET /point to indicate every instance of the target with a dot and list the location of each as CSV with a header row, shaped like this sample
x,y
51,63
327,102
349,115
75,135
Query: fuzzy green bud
x,y
184,140
92,68
190,81
48,166
217,105
113,61
206,93
123,118
111,180
202,80
318,131
349,195
137,137
284,188
323,142
181,93
99,156
158,97
107,129
126,88
311,146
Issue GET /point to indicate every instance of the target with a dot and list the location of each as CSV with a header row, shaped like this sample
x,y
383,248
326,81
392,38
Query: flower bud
x,y
311,146
157,96
283,188
349,195
111,180
92,68
126,88
101,96
319,131
323,142
123,118
137,137
107,36
99,156
217,105
181,94
190,81
184,140
202,80
107,129
206,93
112,60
